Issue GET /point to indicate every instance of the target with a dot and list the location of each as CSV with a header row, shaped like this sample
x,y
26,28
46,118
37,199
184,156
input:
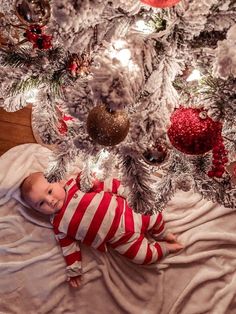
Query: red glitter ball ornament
x,y
160,3
192,131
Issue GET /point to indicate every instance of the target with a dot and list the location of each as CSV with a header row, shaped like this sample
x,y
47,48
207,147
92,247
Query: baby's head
x,y
38,193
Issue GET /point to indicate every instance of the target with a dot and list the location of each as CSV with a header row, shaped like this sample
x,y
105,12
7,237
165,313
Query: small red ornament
x,y
192,131
160,3
155,155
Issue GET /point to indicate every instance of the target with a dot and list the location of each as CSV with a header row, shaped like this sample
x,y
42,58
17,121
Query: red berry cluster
x,y
219,160
35,35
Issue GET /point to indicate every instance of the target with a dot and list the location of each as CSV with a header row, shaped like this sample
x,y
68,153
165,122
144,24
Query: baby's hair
x,y
26,185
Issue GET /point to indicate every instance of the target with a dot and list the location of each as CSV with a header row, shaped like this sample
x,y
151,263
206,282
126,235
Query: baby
x,y
100,218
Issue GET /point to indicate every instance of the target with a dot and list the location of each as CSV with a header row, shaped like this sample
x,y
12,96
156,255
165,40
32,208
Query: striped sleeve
x,y
72,254
111,185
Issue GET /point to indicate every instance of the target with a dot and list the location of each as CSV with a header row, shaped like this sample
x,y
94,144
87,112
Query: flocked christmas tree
x,y
139,86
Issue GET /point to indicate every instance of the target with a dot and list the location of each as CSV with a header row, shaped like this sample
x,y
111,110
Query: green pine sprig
x,y
17,59
158,22
56,82
23,86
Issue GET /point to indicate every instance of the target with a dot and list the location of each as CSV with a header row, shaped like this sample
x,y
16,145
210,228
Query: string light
x,y
143,27
119,52
119,44
31,96
103,154
194,76
98,171
124,56
96,166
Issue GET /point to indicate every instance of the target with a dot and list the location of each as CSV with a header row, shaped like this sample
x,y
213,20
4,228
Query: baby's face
x,y
47,198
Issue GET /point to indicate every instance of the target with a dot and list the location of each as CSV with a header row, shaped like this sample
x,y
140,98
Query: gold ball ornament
x,y
107,127
32,12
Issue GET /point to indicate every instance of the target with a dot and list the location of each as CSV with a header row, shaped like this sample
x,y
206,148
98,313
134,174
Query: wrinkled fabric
x,y
199,279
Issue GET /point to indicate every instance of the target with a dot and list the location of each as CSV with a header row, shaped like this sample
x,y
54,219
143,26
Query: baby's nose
x,y
50,200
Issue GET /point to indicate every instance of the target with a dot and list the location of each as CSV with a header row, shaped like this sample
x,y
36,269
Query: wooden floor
x,y
15,128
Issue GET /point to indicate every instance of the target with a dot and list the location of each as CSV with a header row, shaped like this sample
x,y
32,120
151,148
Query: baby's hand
x,y
75,282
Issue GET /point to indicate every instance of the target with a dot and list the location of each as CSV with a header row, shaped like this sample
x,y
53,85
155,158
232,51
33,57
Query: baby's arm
x,y
111,185
72,254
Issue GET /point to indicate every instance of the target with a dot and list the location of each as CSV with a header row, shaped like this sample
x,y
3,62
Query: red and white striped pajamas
x,y
101,218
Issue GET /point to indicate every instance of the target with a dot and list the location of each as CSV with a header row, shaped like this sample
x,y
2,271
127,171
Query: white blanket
x,y
200,279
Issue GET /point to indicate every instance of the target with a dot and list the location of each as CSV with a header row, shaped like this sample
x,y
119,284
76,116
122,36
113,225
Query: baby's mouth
x,y
55,205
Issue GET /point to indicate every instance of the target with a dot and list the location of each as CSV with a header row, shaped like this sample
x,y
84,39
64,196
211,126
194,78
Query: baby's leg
x,y
156,226
140,251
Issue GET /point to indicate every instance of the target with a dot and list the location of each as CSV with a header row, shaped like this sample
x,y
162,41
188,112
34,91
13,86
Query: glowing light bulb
x,y
31,95
124,56
119,44
194,76
141,26
96,166
103,154
96,169
119,51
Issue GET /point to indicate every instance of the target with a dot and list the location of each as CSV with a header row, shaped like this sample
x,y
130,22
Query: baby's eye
x,y
50,191
41,203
